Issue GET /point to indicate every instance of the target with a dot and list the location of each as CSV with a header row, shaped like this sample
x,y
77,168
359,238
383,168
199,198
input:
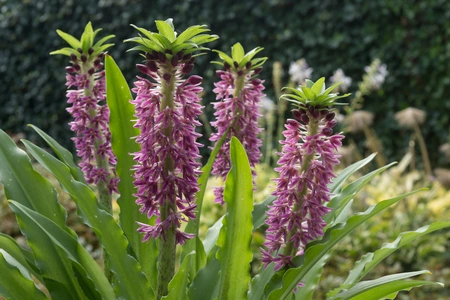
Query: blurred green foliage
x,y
410,37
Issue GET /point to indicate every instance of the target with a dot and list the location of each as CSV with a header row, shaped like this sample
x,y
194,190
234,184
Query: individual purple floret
x,y
306,168
91,118
167,165
239,96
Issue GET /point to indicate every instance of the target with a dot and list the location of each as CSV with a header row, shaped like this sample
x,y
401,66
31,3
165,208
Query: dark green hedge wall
x,y
411,37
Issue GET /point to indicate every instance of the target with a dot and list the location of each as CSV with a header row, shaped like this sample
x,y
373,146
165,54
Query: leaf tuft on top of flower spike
x,y
314,94
86,44
240,60
169,43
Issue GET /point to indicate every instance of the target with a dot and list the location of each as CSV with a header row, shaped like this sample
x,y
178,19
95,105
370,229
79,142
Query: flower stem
x,y
167,245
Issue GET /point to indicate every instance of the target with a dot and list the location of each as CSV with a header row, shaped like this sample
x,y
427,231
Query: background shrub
x,y
410,37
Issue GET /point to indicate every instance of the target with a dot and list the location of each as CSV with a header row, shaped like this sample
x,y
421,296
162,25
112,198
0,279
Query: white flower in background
x,y
267,106
299,71
376,74
339,76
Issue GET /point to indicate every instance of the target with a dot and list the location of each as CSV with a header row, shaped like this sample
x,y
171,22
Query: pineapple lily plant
x,y
145,150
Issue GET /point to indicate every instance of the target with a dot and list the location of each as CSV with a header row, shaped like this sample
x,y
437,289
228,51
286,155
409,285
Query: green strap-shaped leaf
x,y
205,285
39,225
24,257
62,153
131,283
259,282
347,172
339,201
194,225
372,259
385,287
235,236
258,217
179,284
23,184
15,283
237,52
72,41
118,97
316,250
165,29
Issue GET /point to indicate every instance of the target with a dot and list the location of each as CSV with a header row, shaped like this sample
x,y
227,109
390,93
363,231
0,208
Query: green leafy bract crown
x,y
167,40
84,44
314,94
239,59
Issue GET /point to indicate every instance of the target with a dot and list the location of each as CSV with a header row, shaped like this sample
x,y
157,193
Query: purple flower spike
x,y
90,113
167,137
306,168
239,97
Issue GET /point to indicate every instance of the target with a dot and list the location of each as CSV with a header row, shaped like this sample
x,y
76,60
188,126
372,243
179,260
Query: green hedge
x,y
411,37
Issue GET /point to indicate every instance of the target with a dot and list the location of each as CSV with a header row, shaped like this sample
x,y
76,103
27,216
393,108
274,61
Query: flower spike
x,y
93,140
306,168
239,94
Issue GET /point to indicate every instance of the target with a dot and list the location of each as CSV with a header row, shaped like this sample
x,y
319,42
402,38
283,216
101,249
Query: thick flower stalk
x,y
239,95
167,110
86,95
306,168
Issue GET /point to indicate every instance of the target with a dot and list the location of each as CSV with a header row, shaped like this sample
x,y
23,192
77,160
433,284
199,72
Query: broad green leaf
x,y
101,49
65,51
259,212
316,250
204,38
339,201
194,225
372,259
131,283
205,285
318,85
248,57
15,282
212,234
311,280
103,40
24,257
224,57
237,52
23,184
151,43
235,235
164,41
180,282
118,97
189,33
87,37
380,288
309,83
62,153
72,41
166,30
180,47
38,225
259,282
258,217
347,172
309,94
331,88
